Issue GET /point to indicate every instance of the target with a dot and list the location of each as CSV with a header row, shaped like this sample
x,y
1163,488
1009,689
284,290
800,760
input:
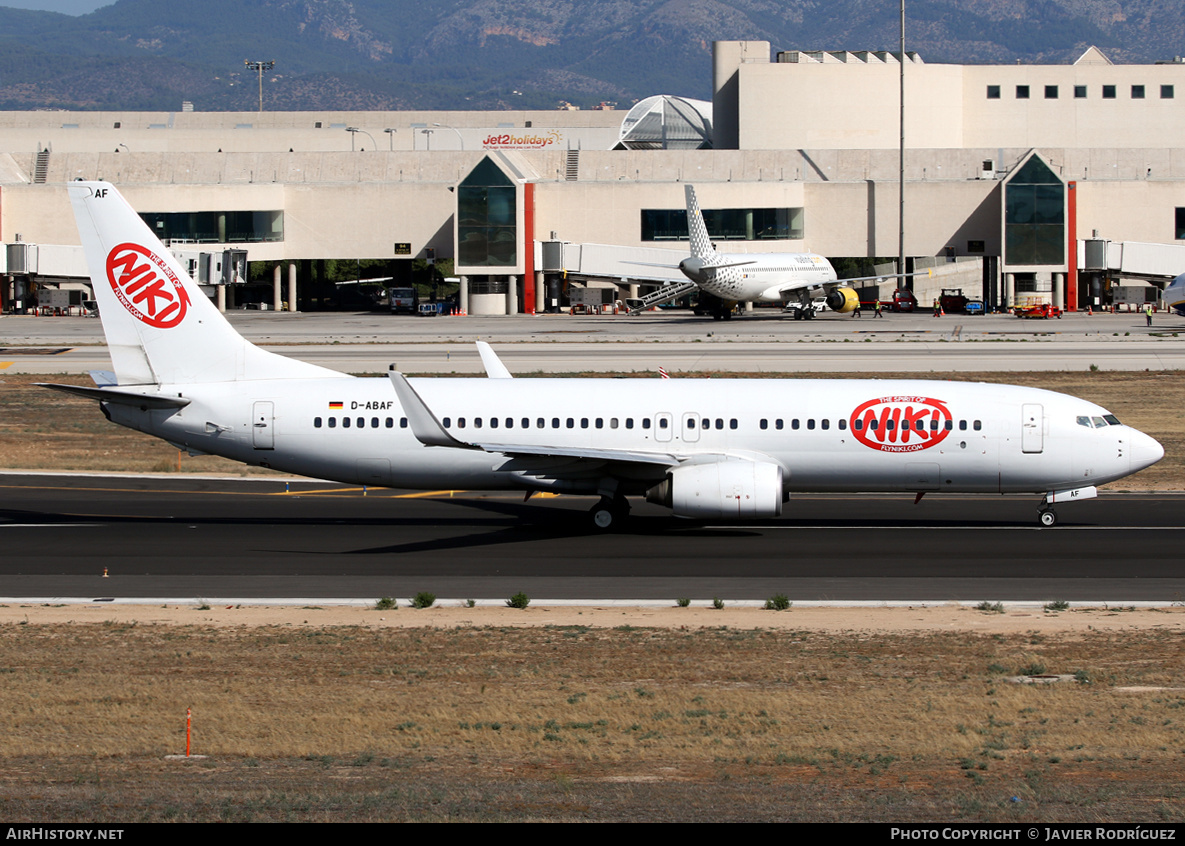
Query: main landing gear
x,y
609,514
1047,517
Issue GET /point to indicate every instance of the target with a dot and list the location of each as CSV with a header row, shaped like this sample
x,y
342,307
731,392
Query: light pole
x,y
454,129
391,138
904,280
260,67
353,130
428,137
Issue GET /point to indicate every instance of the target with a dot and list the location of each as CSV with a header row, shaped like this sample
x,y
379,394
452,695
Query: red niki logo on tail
x,y
146,286
901,423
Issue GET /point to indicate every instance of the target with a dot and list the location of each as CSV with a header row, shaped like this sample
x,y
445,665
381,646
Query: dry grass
x,y
576,722
47,430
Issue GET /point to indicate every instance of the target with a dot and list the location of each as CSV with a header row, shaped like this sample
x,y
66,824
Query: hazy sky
x,y
69,7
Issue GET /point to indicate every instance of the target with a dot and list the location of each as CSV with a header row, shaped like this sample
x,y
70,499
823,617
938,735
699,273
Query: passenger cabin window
x,y
316,422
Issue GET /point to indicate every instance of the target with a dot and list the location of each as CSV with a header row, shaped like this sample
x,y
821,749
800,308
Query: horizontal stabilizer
x,y
117,396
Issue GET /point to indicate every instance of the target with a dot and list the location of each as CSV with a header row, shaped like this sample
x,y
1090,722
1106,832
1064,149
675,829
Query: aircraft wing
x,y
883,276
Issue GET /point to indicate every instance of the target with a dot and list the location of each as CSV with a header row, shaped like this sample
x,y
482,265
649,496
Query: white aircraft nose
x,y
1145,451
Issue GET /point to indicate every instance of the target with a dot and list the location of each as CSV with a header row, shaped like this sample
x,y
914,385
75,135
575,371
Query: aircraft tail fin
x,y
697,230
160,327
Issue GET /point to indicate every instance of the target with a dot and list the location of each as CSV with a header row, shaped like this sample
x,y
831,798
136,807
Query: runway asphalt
x,y
169,537
216,540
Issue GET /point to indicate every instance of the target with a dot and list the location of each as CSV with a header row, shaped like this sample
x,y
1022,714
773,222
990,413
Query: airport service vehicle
x,y
713,449
904,301
974,307
403,300
953,301
1041,311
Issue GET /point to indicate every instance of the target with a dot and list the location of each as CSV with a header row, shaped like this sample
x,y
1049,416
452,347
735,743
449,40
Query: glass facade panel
x,y
784,224
1034,216
216,227
486,211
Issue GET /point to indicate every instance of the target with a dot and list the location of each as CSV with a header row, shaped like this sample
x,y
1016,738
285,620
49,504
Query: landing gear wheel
x,y
1048,517
609,514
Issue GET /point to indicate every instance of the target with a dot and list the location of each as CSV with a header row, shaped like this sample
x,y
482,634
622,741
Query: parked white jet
x,y
764,277
714,449
1174,296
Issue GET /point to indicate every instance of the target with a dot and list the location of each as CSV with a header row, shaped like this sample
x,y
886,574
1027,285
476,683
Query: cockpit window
x,y
1099,423
1084,421
1112,419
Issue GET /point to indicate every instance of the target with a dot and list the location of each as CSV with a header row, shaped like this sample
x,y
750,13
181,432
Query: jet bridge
x,y
626,267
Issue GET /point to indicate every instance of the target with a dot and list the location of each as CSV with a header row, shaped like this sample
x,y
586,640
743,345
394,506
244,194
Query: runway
x,y
204,539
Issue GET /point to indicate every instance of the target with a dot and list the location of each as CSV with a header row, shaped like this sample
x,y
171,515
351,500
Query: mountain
x,y
491,54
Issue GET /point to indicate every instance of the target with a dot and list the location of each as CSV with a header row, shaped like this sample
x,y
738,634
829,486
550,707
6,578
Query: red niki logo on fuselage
x,y
900,423
146,286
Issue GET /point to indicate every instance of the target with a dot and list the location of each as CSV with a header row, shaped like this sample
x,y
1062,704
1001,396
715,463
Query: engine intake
x,y
722,490
843,300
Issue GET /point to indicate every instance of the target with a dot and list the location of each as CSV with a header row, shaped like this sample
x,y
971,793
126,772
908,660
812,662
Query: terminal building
x,y
1011,172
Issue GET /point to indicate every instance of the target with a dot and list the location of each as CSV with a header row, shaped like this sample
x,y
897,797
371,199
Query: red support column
x,y
1072,246
528,304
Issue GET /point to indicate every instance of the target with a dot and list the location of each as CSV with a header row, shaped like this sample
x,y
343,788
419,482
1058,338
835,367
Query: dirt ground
x,y
583,714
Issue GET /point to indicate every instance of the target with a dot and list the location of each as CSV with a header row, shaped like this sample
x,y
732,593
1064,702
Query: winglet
x,y
424,425
495,369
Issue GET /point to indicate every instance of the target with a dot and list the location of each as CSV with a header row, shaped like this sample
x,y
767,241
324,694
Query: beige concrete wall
x,y
209,132
852,105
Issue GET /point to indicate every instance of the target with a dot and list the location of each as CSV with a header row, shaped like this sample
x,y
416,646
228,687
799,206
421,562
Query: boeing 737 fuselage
x,y
713,449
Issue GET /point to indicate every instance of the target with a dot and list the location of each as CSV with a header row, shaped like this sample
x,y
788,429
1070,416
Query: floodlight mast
x,y
259,67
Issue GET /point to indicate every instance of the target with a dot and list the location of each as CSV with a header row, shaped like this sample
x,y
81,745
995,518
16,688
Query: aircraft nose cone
x,y
1145,451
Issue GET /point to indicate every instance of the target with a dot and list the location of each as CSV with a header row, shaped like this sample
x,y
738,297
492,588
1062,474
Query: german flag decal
x,y
334,405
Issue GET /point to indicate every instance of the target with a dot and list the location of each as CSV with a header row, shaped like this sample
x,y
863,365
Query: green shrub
x,y
778,602
423,599
717,602
385,604
993,607
1058,605
682,603
519,600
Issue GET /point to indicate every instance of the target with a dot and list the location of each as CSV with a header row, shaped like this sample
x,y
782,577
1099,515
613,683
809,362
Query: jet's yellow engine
x,y
843,300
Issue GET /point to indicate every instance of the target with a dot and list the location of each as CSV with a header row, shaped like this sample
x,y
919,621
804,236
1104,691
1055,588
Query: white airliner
x,y
764,277
709,449
1174,296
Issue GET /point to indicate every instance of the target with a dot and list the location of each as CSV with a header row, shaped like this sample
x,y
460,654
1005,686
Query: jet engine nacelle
x,y
843,300
723,489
